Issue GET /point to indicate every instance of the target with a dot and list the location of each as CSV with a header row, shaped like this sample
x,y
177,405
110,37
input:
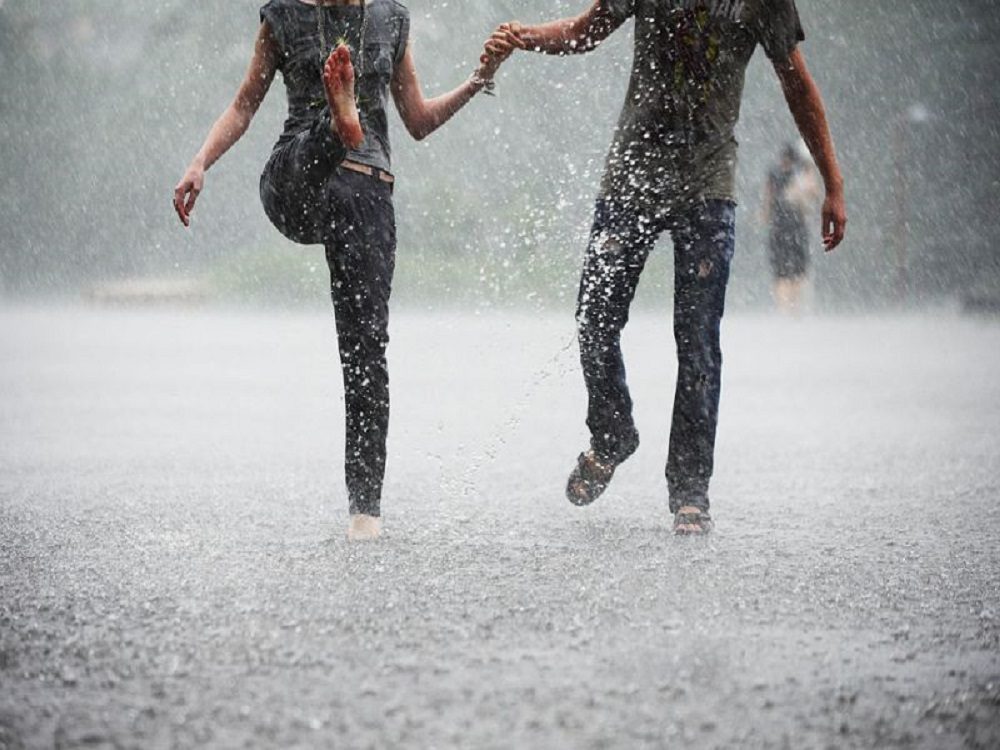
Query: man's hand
x,y
499,47
834,219
187,192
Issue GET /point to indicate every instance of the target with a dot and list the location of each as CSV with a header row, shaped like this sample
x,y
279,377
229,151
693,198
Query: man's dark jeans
x,y
310,199
621,240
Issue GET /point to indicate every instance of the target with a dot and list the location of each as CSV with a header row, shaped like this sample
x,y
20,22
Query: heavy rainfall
x,y
195,552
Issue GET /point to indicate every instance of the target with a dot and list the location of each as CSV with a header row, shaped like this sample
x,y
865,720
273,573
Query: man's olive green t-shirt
x,y
675,142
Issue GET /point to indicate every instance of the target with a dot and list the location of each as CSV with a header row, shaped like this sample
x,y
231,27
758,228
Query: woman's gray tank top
x,y
294,27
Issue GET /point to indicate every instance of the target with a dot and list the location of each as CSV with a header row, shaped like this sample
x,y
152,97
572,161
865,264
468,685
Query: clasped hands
x,y
507,38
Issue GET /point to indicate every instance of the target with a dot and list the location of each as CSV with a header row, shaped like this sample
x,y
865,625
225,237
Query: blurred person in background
x,y
329,181
672,168
791,194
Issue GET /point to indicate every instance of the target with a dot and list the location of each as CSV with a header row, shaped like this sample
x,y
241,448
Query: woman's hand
x,y
499,47
187,192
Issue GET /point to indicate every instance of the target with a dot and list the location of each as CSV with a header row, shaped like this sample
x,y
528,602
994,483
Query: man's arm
x,y
806,105
568,36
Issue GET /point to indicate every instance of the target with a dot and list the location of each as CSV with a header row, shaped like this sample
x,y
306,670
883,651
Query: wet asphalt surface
x,y
173,570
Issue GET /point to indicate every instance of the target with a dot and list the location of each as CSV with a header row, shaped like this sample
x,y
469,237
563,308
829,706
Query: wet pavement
x,y
173,570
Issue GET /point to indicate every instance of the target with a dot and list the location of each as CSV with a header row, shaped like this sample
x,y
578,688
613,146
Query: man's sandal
x,y
691,521
589,478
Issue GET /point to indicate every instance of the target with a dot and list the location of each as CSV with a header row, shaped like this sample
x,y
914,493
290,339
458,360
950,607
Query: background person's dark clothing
x,y
621,239
788,246
311,199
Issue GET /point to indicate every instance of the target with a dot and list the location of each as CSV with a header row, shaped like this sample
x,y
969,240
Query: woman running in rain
x,y
329,181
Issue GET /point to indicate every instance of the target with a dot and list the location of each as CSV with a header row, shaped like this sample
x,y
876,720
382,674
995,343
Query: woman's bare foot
x,y
364,528
338,80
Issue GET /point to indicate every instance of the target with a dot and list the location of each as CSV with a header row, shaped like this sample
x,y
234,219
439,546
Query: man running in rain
x,y
671,168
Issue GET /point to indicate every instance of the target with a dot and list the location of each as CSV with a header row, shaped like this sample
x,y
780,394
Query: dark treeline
x,y
102,104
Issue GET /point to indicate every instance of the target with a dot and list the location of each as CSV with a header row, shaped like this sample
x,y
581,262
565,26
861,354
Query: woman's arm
x,y
568,36
231,125
423,116
806,105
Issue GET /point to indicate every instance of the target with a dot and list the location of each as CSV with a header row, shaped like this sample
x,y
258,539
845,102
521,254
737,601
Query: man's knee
x,y
598,334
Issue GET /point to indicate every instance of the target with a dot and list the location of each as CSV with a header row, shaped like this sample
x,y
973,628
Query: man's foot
x,y
692,521
338,80
364,528
589,478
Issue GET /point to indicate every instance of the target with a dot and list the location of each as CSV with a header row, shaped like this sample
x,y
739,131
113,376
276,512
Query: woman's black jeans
x,y
312,200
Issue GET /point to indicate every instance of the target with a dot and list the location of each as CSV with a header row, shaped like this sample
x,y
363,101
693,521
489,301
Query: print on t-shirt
x,y
698,30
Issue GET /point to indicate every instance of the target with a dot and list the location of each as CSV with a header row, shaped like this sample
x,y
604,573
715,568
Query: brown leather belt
x,y
353,166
